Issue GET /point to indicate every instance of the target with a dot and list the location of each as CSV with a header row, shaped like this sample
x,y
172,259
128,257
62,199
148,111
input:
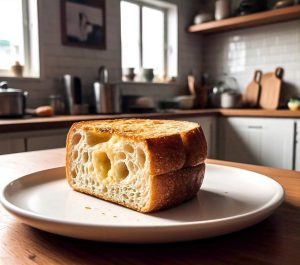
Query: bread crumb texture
x,y
112,159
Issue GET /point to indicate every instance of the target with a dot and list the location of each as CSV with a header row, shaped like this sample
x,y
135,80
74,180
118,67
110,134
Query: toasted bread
x,y
142,164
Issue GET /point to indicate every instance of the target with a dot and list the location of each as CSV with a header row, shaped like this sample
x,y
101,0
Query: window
x,y
145,36
19,36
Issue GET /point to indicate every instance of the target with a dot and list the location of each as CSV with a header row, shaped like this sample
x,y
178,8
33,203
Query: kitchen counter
x,y
273,241
56,122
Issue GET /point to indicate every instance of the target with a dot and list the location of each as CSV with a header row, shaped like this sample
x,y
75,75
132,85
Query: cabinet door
x,y
46,140
8,146
297,142
260,141
208,125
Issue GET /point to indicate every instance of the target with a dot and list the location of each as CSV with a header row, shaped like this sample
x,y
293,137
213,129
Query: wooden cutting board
x,y
251,95
270,89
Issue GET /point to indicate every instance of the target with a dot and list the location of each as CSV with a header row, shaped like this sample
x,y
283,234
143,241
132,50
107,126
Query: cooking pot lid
x,y
10,91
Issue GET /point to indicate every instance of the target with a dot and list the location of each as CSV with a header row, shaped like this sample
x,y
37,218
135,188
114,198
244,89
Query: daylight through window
x,y
145,37
18,36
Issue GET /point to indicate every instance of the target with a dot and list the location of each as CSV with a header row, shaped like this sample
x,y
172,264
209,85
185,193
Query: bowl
x,y
185,101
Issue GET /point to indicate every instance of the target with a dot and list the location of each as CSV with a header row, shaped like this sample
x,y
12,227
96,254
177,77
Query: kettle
x,y
106,96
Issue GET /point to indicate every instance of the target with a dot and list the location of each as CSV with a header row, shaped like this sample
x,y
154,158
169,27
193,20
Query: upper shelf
x,y
257,19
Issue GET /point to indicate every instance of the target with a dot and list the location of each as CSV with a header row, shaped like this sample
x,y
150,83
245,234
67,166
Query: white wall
x,y
57,60
239,53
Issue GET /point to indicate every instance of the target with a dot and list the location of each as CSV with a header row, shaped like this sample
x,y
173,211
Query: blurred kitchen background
x,y
112,57
233,54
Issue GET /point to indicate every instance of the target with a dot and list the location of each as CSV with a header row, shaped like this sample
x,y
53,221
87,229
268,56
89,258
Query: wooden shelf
x,y
257,19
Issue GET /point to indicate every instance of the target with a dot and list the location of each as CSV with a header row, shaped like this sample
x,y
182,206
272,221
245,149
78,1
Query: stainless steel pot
x,y
107,98
12,101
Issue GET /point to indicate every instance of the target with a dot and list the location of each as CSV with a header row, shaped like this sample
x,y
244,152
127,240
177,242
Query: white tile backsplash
x,y
238,53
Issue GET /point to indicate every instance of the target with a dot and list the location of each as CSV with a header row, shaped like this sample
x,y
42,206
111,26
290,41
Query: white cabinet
x,y
208,125
260,141
297,147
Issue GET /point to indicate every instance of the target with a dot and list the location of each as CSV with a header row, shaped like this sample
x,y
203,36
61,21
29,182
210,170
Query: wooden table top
x,y
273,241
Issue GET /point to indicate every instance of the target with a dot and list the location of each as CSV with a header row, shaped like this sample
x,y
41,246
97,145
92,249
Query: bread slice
x,y
142,164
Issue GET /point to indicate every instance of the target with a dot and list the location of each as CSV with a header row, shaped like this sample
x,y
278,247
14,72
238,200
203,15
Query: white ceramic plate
x,y
229,200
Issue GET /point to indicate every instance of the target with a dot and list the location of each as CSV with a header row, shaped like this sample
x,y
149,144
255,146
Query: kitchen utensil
x,y
216,92
270,89
107,98
251,95
230,99
222,9
192,84
73,92
12,101
103,74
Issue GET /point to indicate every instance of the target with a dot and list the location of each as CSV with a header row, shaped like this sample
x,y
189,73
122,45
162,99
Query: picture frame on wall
x,y
83,23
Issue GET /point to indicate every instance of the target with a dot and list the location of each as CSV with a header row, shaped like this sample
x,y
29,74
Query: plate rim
x,y
265,209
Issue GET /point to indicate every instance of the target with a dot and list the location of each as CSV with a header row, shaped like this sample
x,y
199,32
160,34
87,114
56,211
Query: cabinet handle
x,y
255,127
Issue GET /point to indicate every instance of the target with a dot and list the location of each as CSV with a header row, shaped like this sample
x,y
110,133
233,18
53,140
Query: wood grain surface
x,y
273,241
251,20
56,122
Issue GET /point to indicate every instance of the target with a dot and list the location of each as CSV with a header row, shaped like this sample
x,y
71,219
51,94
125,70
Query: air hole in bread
x,y
93,138
76,138
121,156
131,166
91,168
82,169
73,174
128,148
141,157
75,154
101,163
121,171
85,157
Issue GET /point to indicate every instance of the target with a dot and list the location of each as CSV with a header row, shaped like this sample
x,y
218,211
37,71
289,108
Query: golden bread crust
x,y
175,187
165,154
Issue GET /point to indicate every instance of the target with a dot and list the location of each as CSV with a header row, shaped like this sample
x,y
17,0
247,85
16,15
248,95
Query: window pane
x,y
153,39
130,35
11,33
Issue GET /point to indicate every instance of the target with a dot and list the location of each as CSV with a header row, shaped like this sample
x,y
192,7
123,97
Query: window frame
x,y
27,38
142,4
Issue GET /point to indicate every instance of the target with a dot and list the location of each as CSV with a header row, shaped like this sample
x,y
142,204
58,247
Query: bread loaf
x,y
142,164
